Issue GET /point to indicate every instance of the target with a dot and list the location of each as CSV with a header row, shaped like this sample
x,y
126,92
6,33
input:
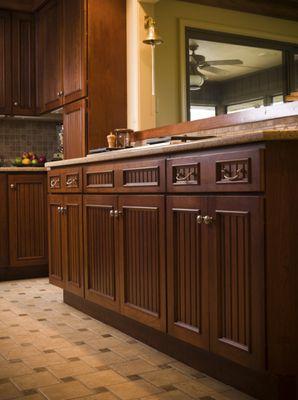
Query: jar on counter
x,y
123,137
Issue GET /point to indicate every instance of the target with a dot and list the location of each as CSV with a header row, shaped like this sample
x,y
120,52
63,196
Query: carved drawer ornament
x,y
233,171
55,182
186,174
72,180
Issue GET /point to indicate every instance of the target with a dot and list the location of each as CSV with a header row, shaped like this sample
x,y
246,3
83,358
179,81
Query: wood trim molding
x,y
222,121
287,9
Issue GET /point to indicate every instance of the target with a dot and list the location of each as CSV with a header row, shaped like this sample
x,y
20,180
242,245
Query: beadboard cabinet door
x,y
142,259
74,129
237,284
27,219
187,270
100,245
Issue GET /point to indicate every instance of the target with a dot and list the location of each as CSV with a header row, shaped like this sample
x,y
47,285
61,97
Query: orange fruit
x,y
26,161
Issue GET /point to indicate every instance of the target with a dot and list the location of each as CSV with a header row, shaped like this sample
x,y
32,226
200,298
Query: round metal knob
x,y
61,93
15,103
12,186
58,94
208,220
199,219
112,213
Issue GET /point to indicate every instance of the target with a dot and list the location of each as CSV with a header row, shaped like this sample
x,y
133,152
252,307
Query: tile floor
x,y
49,350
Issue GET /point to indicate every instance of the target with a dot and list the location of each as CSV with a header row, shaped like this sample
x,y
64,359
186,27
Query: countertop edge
x,y
152,150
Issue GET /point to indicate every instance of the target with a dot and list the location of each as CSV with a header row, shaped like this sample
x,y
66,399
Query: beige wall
x,y
171,16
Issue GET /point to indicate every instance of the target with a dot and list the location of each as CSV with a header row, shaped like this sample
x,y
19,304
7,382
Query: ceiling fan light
x,y
196,81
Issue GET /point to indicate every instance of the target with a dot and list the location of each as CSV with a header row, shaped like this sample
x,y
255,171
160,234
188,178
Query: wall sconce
x,y
153,39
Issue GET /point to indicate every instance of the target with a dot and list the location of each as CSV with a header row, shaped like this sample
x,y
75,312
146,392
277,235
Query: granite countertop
x,y
151,150
23,169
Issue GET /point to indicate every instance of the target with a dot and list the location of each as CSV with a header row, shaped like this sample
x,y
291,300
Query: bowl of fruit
x,y
30,159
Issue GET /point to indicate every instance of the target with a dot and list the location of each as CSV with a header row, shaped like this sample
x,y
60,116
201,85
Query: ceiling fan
x,y
198,63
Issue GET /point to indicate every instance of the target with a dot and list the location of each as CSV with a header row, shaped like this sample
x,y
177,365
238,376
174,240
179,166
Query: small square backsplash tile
x,y
18,136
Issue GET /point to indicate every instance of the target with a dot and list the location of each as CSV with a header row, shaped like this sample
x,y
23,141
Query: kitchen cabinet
x,y
237,278
66,242
101,250
74,129
187,270
5,62
61,53
142,258
4,249
27,220
124,255
23,64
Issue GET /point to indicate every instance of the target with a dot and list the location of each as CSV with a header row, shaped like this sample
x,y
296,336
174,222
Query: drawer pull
x,y
199,219
227,176
208,220
72,181
181,178
54,183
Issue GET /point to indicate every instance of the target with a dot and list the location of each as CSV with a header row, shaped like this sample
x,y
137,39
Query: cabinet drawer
x,y
65,180
235,171
99,178
142,176
218,171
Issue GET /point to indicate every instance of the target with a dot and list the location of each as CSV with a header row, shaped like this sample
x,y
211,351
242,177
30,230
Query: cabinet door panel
x,y
74,50
49,56
73,243
27,219
4,251
56,275
142,244
237,281
101,284
74,137
23,61
5,63
187,275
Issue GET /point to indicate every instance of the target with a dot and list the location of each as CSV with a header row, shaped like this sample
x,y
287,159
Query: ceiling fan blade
x,y
225,62
214,70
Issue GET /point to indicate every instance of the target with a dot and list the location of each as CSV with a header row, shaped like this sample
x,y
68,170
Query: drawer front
x,y
236,171
142,176
99,178
218,171
65,180
184,174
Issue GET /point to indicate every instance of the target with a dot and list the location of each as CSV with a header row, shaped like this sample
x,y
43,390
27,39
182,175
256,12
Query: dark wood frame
x,y
288,50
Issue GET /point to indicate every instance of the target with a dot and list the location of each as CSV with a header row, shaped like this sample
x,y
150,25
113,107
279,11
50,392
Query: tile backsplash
x,y
17,136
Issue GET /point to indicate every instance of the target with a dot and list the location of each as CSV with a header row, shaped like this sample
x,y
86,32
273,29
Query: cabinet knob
x,y
13,186
58,94
112,213
208,220
199,219
61,93
15,103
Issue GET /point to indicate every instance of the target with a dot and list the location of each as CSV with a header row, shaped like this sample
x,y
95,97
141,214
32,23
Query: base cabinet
x,y
66,242
27,220
216,275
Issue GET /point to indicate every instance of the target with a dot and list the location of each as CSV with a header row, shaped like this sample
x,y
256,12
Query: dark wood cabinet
x,y
23,64
187,270
74,49
5,62
74,125
61,53
4,245
66,242
49,63
27,220
100,245
142,259
237,279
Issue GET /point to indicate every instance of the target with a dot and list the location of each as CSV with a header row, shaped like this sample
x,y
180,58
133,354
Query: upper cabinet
x,y
5,62
61,53
23,64
17,55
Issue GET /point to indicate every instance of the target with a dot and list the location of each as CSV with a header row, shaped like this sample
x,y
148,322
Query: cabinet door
x,y
23,64
73,243
187,277
4,252
56,276
74,134
237,279
100,240
142,258
5,63
49,56
27,220
74,45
